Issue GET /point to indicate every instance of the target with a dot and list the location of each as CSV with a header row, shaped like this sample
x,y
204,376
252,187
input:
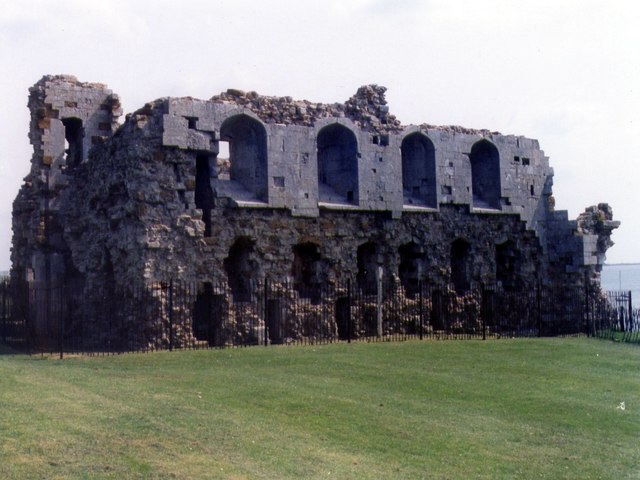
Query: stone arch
x,y
368,261
241,267
460,260
337,165
412,268
74,137
307,271
419,170
485,174
247,139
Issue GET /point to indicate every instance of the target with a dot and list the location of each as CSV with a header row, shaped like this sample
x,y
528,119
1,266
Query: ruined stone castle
x,y
308,192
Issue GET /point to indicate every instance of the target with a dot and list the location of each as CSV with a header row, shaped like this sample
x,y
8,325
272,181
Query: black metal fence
x,y
616,319
181,315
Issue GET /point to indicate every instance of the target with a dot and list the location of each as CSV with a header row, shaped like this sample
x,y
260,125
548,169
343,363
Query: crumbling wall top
x,y
368,109
70,80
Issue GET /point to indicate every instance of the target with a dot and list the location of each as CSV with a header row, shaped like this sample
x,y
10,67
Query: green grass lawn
x,y
438,410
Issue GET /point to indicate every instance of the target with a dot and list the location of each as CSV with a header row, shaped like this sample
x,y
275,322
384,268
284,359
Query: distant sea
x,y
623,276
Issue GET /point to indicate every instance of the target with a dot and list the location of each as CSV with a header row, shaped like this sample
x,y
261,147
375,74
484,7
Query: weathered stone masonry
x,y
310,192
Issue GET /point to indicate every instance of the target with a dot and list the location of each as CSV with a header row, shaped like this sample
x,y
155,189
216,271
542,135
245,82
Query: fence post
x,y
4,311
420,306
628,330
266,312
27,322
61,321
484,307
539,301
171,315
595,311
586,297
348,310
379,300
630,316
436,310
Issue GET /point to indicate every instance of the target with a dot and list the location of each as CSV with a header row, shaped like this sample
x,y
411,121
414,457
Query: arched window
x,y
247,139
485,175
412,268
241,266
419,170
460,265
337,165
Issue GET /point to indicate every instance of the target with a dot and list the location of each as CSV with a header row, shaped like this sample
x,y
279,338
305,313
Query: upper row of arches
x,y
337,164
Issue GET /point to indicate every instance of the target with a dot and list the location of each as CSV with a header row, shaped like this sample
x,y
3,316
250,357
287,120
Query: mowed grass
x,y
437,410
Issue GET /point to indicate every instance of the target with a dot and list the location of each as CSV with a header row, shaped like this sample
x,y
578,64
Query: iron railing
x,y
183,315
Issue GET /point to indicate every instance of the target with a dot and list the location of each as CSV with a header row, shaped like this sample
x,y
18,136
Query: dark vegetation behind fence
x,y
179,315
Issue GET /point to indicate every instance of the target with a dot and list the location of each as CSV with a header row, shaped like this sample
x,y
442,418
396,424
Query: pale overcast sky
x,y
564,72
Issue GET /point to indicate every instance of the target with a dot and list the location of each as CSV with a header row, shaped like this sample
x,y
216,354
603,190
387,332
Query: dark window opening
x,y
247,139
208,315
485,175
516,159
275,320
337,164
526,161
368,268
419,170
531,189
344,324
375,139
97,139
278,182
73,135
308,272
191,122
460,265
384,140
183,199
241,268
508,265
412,268
204,192
176,172
222,167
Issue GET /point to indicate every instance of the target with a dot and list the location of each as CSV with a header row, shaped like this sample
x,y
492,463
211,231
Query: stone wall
x,y
68,118
292,129
311,192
